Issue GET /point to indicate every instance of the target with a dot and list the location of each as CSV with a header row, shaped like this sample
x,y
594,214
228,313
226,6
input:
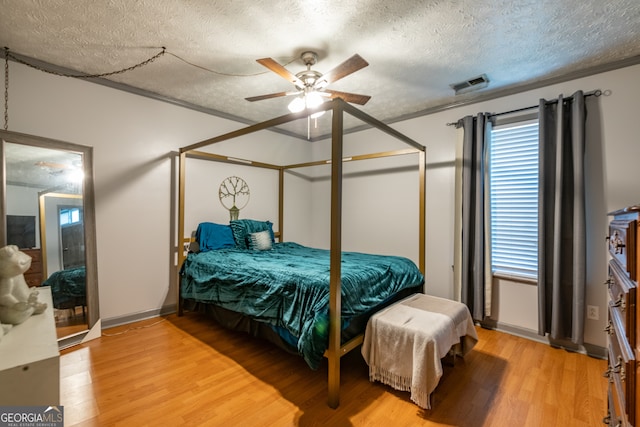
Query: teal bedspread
x,y
68,287
288,287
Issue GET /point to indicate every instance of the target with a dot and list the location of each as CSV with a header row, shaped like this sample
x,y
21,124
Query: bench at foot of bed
x,y
405,342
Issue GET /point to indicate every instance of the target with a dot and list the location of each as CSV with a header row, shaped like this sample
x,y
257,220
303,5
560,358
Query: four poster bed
x,y
309,301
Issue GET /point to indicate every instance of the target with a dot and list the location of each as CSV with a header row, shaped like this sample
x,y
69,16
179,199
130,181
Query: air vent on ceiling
x,y
474,83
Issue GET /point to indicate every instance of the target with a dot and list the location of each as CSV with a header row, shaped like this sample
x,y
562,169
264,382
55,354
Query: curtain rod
x,y
596,93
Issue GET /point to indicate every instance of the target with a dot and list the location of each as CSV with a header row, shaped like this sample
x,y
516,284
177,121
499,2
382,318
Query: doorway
x,y
71,236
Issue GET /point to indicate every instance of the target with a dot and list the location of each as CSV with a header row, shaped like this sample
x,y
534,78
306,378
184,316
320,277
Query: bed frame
x,y
338,107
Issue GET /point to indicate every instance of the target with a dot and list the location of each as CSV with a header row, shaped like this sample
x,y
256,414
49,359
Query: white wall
x,y
134,138
611,159
380,204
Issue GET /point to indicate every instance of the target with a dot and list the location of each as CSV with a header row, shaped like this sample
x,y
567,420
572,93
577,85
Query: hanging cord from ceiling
x,y
8,55
86,76
164,51
220,73
6,88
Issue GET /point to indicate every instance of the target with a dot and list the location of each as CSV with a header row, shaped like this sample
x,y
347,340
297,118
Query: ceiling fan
x,y
310,85
55,169
52,165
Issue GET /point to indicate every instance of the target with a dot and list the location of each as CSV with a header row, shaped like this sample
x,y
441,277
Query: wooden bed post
x,y
181,188
335,307
281,203
422,215
338,107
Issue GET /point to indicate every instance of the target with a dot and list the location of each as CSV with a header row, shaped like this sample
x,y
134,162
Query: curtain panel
x,y
475,271
561,219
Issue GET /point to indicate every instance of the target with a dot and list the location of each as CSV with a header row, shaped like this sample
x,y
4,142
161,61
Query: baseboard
x,y
71,340
135,317
596,351
588,349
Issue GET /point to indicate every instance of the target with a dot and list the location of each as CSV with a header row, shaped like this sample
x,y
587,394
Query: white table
x,y
30,360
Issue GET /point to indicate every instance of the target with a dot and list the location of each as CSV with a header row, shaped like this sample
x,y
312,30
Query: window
x,y
513,182
70,216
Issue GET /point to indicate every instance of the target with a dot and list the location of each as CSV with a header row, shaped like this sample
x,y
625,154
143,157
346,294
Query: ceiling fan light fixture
x,y
313,99
311,84
297,105
76,175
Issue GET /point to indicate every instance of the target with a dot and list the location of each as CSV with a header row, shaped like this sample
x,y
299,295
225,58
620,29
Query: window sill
x,y
519,279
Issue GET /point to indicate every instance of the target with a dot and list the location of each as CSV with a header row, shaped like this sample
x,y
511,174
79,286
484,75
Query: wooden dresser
x,y
623,329
33,276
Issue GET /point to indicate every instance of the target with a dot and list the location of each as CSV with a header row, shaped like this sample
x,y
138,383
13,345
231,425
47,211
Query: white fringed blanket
x,y
403,344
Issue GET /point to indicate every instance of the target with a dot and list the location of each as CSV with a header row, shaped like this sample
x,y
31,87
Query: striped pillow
x,y
242,228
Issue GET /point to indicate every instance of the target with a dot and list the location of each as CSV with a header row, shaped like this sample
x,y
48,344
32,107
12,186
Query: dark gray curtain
x,y
472,292
561,221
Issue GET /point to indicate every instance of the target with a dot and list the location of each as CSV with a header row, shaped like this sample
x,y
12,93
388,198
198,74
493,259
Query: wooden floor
x,y
71,321
188,371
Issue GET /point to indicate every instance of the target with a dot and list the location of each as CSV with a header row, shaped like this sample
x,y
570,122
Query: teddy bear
x,y
17,301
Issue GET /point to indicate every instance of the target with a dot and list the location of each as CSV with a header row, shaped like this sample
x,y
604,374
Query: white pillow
x,y
260,241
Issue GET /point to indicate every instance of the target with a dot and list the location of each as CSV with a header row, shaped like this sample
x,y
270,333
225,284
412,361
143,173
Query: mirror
x,y
48,206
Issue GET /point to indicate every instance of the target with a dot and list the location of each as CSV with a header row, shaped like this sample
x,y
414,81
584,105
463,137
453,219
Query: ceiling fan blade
x,y
351,65
354,98
270,95
43,164
280,70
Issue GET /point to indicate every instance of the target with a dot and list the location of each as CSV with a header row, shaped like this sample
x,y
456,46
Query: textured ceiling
x,y
42,168
415,49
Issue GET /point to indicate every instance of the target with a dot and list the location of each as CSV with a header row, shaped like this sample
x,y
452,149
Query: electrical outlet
x,y
593,312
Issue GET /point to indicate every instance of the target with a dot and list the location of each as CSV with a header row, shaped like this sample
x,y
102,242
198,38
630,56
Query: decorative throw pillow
x,y
242,228
260,241
212,236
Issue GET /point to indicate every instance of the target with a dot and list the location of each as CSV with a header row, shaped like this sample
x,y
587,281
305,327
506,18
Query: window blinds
x,y
513,182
